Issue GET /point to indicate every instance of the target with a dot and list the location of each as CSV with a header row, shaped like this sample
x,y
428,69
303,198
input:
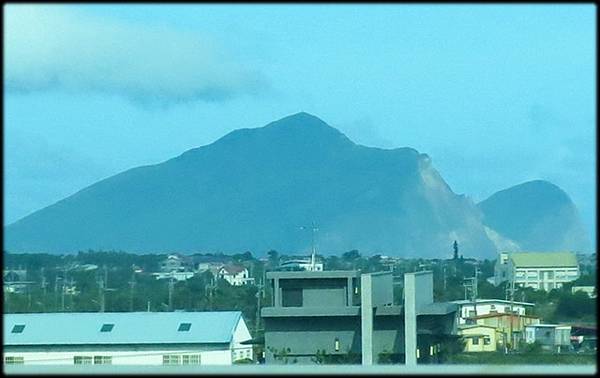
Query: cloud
x,y
54,47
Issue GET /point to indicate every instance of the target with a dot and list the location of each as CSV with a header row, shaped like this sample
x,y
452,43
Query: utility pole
x,y
131,287
510,293
444,270
63,290
101,293
171,292
258,297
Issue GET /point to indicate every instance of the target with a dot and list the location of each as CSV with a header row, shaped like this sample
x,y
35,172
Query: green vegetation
x,y
499,358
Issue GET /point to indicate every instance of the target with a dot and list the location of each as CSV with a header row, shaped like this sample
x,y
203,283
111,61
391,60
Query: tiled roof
x,y
544,259
128,328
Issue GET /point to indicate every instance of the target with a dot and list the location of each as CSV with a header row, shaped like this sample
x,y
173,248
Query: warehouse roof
x,y
544,259
120,328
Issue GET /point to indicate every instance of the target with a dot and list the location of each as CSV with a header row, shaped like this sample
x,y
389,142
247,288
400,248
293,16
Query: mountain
x,y
535,216
254,188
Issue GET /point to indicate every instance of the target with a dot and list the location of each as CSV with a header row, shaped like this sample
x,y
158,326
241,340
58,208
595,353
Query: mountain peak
x,y
301,119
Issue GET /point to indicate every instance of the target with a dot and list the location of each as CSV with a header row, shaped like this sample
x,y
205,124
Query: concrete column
x,y
350,292
276,293
366,319
410,320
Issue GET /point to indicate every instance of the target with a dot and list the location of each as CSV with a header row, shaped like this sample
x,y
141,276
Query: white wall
x,y
153,357
240,334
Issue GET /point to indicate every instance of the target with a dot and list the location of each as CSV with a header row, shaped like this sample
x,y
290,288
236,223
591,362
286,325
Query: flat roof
x,y
313,274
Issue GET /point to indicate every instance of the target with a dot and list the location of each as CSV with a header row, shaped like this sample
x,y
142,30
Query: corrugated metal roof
x,y
129,328
544,259
487,301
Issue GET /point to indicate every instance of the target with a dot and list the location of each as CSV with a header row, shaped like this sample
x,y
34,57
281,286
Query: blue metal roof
x,y
129,328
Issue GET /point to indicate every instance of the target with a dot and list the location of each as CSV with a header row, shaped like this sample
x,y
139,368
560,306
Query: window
x,y
184,327
191,359
471,313
492,307
475,340
82,360
486,340
18,328
507,309
102,360
171,359
13,360
291,297
106,327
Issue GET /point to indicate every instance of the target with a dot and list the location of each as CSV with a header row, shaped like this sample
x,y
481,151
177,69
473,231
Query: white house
x,y
467,309
538,270
126,338
236,275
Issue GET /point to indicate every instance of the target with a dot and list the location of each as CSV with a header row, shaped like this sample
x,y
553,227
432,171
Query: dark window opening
x,y
18,328
291,297
106,327
183,327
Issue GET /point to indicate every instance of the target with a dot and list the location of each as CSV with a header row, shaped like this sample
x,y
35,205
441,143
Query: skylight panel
x,y
184,327
18,328
107,327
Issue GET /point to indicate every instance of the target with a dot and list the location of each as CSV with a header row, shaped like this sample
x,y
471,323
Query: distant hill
x,y
535,216
253,189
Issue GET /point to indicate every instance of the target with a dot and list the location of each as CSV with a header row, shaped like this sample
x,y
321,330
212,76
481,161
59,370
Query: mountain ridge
x,y
253,188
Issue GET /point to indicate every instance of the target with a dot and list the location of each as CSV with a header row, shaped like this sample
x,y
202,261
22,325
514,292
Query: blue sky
x,y
495,94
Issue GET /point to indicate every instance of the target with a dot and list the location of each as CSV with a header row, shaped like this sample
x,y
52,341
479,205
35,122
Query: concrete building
x,y
127,338
468,309
236,275
341,314
538,270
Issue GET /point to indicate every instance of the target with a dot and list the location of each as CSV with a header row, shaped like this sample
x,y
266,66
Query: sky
x,y
496,95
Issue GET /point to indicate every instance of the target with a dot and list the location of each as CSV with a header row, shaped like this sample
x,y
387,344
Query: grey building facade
x,y
347,317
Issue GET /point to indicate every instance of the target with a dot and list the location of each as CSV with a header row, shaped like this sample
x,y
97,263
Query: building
x,y
480,338
126,338
469,309
589,290
236,275
15,281
300,264
176,263
538,270
178,276
341,314
543,334
506,323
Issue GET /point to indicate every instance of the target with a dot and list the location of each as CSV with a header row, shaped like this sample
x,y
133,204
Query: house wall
x,y
544,278
481,346
487,308
139,357
240,351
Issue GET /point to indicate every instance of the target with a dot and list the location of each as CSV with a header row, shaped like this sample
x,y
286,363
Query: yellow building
x,y
480,338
